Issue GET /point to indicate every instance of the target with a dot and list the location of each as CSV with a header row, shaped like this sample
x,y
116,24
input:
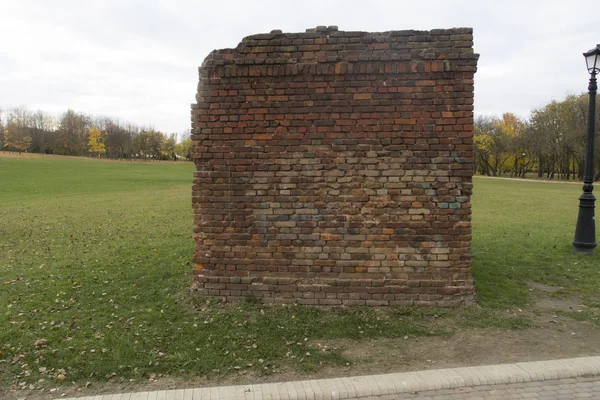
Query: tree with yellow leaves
x,y
95,146
513,129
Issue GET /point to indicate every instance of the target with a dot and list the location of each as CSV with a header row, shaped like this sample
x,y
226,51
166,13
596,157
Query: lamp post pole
x,y
585,233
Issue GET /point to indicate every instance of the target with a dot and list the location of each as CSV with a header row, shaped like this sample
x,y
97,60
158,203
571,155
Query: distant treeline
x,y
78,134
549,144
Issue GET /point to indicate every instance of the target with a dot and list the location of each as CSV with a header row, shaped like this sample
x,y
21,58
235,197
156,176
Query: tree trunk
x,y
42,144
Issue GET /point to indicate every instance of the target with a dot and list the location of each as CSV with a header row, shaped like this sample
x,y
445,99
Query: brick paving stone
x,y
548,393
558,389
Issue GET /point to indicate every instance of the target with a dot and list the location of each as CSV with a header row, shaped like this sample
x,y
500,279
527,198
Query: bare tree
x,y
1,130
42,125
72,133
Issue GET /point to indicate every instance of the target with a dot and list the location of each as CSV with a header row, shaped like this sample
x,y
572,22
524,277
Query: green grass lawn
x,y
95,270
523,231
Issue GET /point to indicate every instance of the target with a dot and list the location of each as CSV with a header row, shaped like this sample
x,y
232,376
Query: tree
x,y
492,145
556,137
149,144
42,125
15,139
513,128
95,145
71,136
1,130
184,148
169,146
17,132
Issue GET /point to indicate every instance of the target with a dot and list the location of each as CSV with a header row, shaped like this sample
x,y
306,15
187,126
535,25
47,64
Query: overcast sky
x,y
137,60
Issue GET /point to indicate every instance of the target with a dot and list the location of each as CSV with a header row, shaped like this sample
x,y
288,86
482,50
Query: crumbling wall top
x,y
329,45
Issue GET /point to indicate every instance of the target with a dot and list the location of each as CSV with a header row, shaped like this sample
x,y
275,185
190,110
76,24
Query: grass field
x,y
95,270
523,231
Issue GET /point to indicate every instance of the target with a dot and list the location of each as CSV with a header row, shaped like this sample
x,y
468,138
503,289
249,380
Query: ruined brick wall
x,y
335,168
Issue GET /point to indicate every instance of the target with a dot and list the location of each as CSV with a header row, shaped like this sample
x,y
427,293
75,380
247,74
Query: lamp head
x,y
592,60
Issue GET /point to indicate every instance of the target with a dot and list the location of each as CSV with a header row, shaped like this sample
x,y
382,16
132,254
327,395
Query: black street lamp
x,y
585,233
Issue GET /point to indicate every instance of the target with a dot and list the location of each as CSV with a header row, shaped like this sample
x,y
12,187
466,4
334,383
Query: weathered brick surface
x,y
334,168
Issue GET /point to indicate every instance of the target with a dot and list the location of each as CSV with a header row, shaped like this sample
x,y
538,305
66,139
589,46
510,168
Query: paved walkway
x,y
571,378
559,389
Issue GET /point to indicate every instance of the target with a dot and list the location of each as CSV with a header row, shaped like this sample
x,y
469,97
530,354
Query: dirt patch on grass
x,y
551,298
557,337
539,180
553,336
12,154
541,287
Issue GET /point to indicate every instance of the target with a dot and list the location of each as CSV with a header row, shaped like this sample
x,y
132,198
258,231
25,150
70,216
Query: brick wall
x,y
334,168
